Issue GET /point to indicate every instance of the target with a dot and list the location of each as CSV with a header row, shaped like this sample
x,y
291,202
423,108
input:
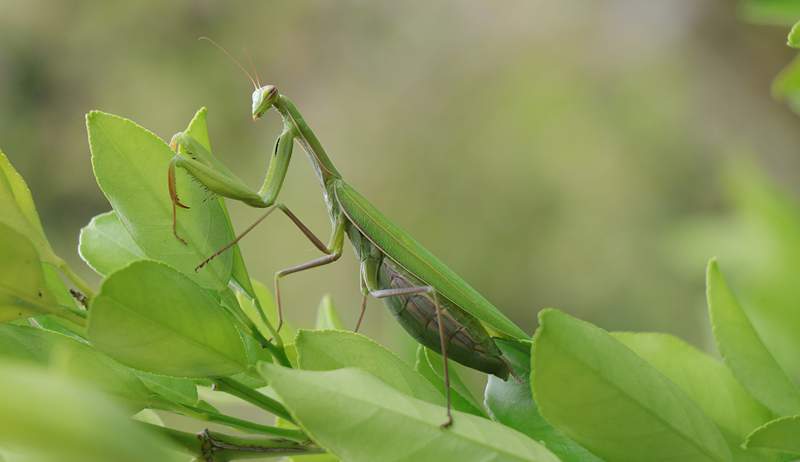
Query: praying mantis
x,y
431,302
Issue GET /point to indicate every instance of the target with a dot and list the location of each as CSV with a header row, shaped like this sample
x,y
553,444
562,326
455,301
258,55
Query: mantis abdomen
x,y
467,340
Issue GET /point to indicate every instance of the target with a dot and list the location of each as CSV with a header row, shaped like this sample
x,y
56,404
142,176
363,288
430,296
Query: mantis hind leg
x,y
384,293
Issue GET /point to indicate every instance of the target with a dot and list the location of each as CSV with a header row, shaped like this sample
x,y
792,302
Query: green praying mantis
x,y
432,303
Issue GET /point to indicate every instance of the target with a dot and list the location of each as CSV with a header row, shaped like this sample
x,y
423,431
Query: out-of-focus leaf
x,y
23,289
744,351
459,402
327,316
786,85
780,12
510,403
56,419
106,245
324,350
153,318
611,401
398,427
73,358
708,382
781,434
18,211
130,164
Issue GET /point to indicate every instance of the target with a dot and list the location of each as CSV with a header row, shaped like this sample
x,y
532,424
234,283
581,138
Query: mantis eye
x,y
263,99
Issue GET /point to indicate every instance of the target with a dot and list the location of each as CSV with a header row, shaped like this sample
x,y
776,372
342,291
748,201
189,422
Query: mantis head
x,y
263,99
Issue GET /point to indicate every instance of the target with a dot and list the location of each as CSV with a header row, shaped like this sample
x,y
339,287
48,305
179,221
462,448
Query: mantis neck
x,y
323,166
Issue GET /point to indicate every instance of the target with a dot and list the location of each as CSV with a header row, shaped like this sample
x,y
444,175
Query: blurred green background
x,y
574,155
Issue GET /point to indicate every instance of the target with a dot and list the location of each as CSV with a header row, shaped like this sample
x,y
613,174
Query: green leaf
x,y
456,384
423,366
793,40
786,85
131,164
153,318
611,401
267,302
324,350
781,434
75,359
56,419
510,403
744,351
23,289
779,12
174,389
18,211
704,379
359,418
327,316
708,382
106,245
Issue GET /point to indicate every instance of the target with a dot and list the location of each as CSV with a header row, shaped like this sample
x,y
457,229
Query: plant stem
x,y
276,351
211,446
242,391
240,424
77,280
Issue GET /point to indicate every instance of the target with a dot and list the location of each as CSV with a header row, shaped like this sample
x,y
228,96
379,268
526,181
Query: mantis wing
x,y
411,255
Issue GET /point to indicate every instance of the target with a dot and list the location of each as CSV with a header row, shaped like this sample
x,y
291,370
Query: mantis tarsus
x,y
436,306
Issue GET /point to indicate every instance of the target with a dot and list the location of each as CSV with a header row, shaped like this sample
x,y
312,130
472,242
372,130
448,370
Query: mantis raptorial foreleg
x,y
212,174
384,293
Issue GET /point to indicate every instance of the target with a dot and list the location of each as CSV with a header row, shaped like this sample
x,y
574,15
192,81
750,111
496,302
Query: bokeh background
x,y
584,155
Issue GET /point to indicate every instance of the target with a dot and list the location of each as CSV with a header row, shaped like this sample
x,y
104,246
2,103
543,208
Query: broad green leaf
x,y
75,359
106,245
50,418
781,434
703,378
324,350
23,289
327,316
359,418
18,211
456,384
744,351
510,403
708,382
611,401
131,165
459,402
153,318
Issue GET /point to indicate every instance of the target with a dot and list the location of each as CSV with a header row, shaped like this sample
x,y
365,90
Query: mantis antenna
x,y
252,66
235,61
